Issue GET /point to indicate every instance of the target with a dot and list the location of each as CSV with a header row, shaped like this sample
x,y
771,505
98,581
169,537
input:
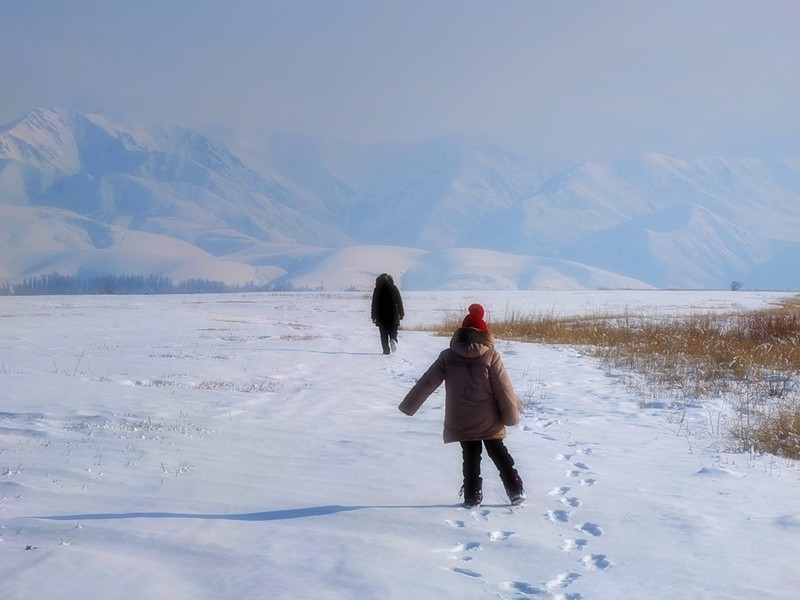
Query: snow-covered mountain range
x,y
88,194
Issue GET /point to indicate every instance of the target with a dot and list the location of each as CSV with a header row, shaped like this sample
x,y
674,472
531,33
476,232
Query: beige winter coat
x,y
479,398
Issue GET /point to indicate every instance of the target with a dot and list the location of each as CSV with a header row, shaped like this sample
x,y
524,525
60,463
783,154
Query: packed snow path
x,y
250,446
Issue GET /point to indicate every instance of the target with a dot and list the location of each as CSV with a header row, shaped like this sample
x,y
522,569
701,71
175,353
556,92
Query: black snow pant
x,y
387,332
501,457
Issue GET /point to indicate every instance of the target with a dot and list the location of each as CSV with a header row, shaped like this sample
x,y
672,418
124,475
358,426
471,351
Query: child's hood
x,y
471,343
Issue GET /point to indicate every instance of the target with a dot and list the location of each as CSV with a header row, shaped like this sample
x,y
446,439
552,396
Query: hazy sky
x,y
580,79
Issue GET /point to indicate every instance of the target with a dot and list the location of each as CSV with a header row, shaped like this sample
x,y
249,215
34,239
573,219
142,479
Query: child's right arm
x,y
424,387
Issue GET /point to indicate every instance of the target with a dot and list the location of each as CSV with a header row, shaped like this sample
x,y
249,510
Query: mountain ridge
x,y
279,208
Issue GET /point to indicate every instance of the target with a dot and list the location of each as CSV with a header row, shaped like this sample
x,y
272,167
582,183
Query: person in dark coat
x,y
479,404
387,311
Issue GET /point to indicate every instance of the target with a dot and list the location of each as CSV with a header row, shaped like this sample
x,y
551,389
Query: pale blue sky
x,y
581,79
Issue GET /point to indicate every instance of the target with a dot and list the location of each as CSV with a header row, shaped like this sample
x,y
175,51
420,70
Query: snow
x,y
249,446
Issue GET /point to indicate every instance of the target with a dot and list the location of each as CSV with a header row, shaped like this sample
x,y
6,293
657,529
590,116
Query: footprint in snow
x,y
560,491
496,536
522,587
558,516
597,562
400,374
562,580
465,547
580,465
573,502
581,447
480,514
456,524
471,547
591,529
570,545
457,551
587,482
466,572
545,436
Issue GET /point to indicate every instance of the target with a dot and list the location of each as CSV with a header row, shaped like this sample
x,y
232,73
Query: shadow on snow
x,y
272,515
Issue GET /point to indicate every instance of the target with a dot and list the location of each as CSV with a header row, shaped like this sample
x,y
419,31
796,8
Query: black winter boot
x,y
473,494
515,491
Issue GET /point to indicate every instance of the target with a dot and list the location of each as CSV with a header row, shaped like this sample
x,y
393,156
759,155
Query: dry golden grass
x,y
751,357
778,432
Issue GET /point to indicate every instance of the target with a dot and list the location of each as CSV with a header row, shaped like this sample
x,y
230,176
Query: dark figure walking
x,y
479,403
387,311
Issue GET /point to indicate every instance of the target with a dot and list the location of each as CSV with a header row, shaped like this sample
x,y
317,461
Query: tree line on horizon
x,y
56,284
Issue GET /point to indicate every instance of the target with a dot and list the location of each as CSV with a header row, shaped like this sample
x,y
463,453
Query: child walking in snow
x,y
479,403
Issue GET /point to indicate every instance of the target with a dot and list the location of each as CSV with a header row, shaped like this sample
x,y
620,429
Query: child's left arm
x,y
504,395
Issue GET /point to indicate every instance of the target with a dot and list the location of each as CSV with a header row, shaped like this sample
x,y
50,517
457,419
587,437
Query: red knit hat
x,y
475,318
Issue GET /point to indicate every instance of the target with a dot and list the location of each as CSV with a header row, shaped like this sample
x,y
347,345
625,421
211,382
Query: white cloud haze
x,y
580,79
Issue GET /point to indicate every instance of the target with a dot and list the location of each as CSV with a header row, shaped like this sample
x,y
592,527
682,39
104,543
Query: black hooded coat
x,y
387,304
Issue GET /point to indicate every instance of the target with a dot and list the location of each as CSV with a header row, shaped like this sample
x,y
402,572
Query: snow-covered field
x,y
249,446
